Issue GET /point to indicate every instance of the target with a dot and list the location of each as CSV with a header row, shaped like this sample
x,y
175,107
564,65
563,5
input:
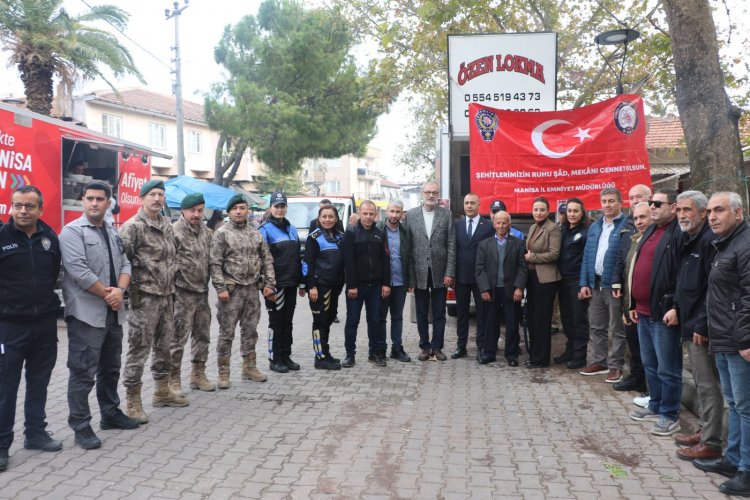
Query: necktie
x,y
468,231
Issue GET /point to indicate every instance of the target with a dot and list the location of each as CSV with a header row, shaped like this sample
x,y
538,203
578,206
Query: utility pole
x,y
175,13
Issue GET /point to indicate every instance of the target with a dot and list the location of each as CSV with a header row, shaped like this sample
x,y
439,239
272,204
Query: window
x,y
332,186
112,125
194,142
157,136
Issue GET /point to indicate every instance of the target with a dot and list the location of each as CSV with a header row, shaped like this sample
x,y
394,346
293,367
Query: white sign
x,y
515,71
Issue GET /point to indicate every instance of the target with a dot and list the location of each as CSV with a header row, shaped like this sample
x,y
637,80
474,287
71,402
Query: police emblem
x,y
487,124
46,243
626,117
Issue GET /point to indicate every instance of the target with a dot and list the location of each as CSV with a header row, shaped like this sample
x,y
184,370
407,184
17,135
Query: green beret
x,y
234,200
192,200
152,184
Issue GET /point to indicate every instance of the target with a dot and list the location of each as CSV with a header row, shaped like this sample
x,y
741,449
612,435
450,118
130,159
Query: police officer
x,y
29,266
283,241
239,261
97,273
150,246
192,314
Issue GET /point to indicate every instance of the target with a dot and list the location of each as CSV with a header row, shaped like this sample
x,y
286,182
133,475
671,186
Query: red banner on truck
x,y
519,156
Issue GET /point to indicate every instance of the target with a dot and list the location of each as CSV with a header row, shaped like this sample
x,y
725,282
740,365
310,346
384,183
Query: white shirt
x,y
429,217
603,245
473,225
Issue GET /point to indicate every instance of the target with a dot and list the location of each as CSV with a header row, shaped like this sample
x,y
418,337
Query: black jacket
x,y
29,268
695,255
728,299
618,275
283,241
365,257
571,253
515,271
466,249
663,279
323,263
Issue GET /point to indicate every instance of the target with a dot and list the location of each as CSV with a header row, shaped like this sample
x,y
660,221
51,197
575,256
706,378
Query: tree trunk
x,y
708,118
37,82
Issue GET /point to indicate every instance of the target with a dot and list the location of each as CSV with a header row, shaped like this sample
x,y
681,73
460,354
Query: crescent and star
x,y
537,138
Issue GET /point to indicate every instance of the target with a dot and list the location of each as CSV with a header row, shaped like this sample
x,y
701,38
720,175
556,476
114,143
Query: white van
x,y
303,209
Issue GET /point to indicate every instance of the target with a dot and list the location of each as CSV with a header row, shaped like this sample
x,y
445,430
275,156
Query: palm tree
x,y
44,41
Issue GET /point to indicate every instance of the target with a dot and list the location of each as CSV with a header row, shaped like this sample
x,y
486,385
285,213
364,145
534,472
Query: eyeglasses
x,y
28,206
431,193
657,203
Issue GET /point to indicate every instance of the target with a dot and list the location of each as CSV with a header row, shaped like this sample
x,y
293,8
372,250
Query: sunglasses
x,y
657,204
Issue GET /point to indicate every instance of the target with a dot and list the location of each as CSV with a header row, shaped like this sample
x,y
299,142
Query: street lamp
x,y
616,37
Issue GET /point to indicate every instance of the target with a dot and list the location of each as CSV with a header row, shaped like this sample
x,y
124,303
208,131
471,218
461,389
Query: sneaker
x,y
42,441
376,359
86,439
641,401
595,369
644,415
614,376
665,427
118,421
327,363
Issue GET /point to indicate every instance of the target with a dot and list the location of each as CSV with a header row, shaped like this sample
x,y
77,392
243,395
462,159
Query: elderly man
x,y
500,272
728,309
470,230
192,314
499,205
29,266
695,253
239,260
97,273
432,268
150,246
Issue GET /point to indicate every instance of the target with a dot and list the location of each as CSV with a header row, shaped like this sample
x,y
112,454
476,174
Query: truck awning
x,y
120,146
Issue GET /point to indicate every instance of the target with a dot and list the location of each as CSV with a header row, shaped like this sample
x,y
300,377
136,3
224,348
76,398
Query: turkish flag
x,y
518,156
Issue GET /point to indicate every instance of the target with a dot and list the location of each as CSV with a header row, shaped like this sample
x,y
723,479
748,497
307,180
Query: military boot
x,y
250,369
135,407
165,397
175,385
223,363
198,379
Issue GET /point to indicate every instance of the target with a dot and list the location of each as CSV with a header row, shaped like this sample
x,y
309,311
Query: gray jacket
x,y
85,259
438,252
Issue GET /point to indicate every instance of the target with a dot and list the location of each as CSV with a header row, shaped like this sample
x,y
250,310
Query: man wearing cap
x,y
97,272
239,260
150,246
283,242
192,314
499,205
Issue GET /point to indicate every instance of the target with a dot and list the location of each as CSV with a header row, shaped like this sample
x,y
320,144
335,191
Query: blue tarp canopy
x,y
216,196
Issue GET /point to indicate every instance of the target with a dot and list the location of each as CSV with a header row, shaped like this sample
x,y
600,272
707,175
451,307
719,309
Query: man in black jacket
x,y
368,276
728,315
29,266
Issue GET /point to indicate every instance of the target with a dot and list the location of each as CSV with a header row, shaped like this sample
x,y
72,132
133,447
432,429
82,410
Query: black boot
x,y
277,365
739,485
287,360
348,361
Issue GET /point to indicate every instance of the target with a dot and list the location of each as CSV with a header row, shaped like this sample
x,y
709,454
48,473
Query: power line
x,y
133,41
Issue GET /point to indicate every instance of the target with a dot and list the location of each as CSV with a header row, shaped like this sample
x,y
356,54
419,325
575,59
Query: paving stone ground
x,y
452,430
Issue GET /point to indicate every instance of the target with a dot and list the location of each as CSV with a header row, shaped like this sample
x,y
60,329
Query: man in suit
x,y
470,230
500,272
431,269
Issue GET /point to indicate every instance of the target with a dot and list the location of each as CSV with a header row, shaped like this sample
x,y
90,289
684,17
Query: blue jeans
x,y
394,304
734,373
661,353
370,297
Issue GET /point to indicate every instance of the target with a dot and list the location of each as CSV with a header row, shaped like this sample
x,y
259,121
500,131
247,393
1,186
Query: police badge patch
x,y
487,124
626,117
46,243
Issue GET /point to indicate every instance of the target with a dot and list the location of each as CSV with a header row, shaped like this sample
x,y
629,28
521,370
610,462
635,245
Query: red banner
x,y
518,156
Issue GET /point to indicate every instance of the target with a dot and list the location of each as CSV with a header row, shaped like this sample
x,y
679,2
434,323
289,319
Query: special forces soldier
x,y
281,237
239,261
150,247
192,314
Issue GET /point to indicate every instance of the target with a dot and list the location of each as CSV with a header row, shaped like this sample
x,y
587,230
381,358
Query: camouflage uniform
x,y
150,247
192,314
240,261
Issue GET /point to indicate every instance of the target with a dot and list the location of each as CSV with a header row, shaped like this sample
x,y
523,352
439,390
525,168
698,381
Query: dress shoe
x,y
700,450
595,369
41,441
399,354
289,363
575,364
487,358
739,485
376,359
563,358
3,459
348,361
439,355
717,465
688,439
424,355
531,366
512,361
630,383
459,353
278,366
118,421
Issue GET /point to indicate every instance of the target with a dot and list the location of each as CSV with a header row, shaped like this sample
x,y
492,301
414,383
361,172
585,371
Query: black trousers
x,y
423,300
281,321
541,301
463,303
634,345
34,344
94,356
324,310
501,310
575,320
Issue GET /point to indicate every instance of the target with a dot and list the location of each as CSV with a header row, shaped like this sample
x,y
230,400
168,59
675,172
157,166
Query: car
x,y
303,209
450,302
